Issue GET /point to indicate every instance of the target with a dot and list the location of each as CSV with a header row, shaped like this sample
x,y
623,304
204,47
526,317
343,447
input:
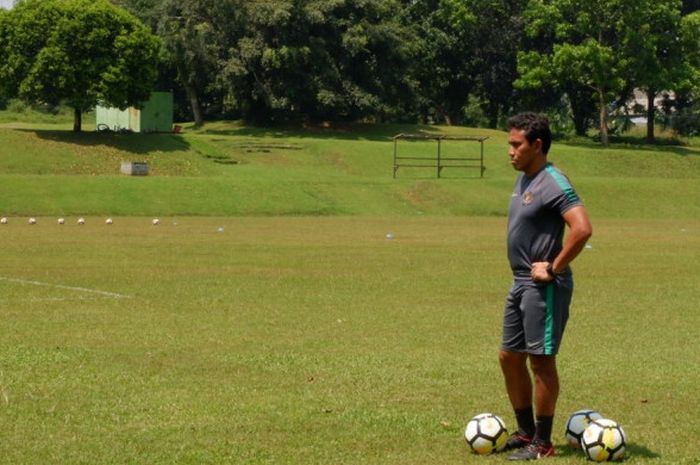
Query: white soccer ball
x,y
108,221
3,220
156,221
578,421
32,220
486,433
604,440
81,220
61,221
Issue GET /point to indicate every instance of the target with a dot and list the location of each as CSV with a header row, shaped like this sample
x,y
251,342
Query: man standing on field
x,y
537,307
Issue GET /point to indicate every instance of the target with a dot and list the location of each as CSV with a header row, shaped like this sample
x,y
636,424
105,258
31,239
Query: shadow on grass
x,y
567,451
638,450
635,143
633,450
465,175
343,131
128,142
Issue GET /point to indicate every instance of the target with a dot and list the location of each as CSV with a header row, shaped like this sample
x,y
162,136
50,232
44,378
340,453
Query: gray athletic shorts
x,y
535,316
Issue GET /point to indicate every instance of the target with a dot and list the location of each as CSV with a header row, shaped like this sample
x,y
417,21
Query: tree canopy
x,y
311,59
80,52
445,61
608,46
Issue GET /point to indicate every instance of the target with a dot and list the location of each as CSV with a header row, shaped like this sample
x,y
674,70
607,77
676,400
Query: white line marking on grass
x,y
70,288
49,299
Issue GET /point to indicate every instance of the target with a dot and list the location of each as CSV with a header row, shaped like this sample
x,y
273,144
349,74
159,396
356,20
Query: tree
x,y
587,48
196,35
610,46
320,59
498,35
444,65
685,120
81,52
288,59
659,61
150,12
146,10
690,6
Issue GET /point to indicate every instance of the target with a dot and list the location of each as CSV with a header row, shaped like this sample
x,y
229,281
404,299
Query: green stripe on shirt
x,y
569,191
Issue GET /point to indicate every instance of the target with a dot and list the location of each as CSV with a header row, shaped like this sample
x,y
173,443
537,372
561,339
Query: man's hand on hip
x,y
540,274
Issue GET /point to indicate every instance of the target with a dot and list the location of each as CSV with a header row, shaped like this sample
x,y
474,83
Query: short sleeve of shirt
x,y
559,194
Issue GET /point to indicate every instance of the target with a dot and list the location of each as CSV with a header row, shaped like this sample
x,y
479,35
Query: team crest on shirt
x,y
527,198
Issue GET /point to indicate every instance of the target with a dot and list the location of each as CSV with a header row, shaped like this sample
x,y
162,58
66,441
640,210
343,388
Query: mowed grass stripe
x,y
229,169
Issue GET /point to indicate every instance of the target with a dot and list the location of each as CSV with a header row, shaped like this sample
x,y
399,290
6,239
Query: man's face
x,y
524,156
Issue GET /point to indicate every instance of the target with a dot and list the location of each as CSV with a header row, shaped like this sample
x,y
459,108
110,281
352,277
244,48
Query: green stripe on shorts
x,y
549,321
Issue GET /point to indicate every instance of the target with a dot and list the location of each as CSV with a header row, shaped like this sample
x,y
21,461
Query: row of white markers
x,y
5,220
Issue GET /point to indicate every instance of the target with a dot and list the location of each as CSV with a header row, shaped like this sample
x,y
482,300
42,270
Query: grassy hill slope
x,y
227,169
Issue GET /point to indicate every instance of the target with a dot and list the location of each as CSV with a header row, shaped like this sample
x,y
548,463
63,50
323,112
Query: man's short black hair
x,y
535,125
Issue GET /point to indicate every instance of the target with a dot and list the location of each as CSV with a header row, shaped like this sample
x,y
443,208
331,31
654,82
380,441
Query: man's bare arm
x,y
580,230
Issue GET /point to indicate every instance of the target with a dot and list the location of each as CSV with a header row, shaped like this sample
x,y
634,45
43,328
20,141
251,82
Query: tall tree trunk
x,y
448,119
580,126
650,115
444,114
194,103
603,118
493,114
77,120
580,101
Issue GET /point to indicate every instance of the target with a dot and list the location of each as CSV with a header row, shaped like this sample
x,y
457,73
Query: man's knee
x,y
508,358
543,365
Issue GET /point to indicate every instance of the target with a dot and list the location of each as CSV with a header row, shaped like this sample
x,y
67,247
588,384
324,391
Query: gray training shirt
x,y
535,222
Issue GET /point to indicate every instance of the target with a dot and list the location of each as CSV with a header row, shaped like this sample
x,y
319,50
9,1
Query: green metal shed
x,y
155,115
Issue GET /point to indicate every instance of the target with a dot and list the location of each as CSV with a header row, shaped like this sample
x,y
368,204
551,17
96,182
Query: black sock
x,y
543,429
526,421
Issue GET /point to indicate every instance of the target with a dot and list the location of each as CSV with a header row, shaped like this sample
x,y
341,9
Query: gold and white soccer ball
x,y
577,423
486,433
604,440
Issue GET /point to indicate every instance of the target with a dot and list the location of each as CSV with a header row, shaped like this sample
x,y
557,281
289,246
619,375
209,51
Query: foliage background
x,y
430,61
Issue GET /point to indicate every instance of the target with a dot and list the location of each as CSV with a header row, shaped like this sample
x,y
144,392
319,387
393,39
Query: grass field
x,y
269,320
226,169
319,340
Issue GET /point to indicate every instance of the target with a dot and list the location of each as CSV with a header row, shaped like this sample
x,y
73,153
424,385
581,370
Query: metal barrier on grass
x,y
438,161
